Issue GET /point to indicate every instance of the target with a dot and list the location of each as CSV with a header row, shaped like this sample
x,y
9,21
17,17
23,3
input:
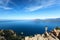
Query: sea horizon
x,y
29,27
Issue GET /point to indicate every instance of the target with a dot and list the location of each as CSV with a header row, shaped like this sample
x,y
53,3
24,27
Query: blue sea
x,y
28,27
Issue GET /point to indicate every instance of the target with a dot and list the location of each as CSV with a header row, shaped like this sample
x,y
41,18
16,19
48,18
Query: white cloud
x,y
41,4
34,8
4,4
7,8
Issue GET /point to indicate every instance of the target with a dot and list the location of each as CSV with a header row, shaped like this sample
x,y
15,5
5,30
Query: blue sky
x,y
29,9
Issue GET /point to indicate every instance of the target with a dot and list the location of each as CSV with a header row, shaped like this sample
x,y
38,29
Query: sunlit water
x,y
28,27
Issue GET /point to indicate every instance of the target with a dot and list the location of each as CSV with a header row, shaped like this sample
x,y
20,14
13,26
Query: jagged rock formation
x,y
53,35
56,32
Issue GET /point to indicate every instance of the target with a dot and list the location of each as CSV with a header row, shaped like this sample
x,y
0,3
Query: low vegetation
x,y
57,28
9,35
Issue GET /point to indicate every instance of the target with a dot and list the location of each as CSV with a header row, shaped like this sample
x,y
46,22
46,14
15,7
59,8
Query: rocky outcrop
x,y
53,35
56,33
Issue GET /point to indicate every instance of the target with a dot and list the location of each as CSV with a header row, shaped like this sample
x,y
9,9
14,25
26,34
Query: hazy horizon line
x,y
30,19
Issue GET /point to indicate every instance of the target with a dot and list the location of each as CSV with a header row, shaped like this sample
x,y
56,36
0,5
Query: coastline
x,y
11,35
